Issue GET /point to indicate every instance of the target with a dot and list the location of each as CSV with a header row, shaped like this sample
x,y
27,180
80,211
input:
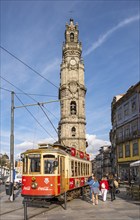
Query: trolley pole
x,y
12,148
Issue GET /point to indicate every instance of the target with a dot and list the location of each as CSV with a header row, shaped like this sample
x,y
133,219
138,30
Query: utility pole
x,y
12,147
12,140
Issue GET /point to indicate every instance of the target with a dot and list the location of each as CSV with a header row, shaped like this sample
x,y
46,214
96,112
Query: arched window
x,y
73,131
71,37
73,108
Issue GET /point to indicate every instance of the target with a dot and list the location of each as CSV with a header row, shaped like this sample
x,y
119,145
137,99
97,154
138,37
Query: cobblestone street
x,y
123,208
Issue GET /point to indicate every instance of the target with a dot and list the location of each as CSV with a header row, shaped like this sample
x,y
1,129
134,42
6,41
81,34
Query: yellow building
x,y
125,133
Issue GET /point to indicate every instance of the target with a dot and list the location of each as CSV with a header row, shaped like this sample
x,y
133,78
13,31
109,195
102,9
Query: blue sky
x,y
33,31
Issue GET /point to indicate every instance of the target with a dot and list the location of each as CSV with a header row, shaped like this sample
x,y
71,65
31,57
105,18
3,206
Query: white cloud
x,y
26,145
94,145
22,147
104,37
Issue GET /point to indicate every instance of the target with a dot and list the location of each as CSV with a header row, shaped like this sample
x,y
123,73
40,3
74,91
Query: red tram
x,y
52,170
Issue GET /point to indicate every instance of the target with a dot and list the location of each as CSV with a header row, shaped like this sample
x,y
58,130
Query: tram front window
x,y
50,163
34,163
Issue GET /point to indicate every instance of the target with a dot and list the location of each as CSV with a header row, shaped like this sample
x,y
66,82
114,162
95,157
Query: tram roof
x,y
53,148
48,148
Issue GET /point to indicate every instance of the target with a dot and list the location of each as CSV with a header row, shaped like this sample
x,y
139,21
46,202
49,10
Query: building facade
x,y
72,91
125,133
106,164
98,165
101,165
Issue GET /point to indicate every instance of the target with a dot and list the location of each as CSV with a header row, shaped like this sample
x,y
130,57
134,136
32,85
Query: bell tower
x,y
72,91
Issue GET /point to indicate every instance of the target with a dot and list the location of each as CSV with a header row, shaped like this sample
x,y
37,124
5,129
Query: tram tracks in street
x,y
33,208
5,213
45,209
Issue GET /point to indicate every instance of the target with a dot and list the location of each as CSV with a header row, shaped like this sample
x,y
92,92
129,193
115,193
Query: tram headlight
x,y
33,179
51,184
34,185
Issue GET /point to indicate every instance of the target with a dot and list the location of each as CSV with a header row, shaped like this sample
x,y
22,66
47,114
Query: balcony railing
x,y
129,137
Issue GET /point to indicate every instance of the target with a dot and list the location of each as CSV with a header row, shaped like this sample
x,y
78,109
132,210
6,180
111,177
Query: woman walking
x,y
104,187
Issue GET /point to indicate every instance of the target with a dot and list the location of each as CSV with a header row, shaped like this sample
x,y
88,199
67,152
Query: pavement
x,y
123,208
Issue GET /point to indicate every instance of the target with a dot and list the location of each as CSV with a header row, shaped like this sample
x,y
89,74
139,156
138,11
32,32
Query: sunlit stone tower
x,y
72,91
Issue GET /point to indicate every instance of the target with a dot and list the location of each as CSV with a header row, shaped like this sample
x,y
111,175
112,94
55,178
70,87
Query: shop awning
x,y
135,164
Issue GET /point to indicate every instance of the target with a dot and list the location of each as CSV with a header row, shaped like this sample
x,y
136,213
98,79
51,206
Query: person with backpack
x,y
112,187
104,187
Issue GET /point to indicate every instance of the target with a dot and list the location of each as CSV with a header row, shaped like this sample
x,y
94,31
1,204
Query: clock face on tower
x,y
72,62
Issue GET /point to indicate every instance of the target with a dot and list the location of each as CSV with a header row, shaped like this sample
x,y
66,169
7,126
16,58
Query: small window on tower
x,y
71,37
73,108
73,131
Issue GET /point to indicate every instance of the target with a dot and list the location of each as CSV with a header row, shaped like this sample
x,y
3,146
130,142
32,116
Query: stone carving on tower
x,y
72,91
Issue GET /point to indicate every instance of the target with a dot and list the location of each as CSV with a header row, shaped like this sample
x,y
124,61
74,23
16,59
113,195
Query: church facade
x,y
72,91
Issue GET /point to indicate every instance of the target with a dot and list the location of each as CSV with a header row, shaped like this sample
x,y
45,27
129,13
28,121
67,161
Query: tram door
x,y
62,174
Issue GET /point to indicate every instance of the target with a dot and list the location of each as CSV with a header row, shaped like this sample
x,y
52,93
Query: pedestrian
x,y
104,187
95,191
112,187
90,182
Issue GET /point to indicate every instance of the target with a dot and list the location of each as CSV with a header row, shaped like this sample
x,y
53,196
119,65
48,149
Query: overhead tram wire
x,y
35,118
5,89
35,101
29,95
48,119
17,88
23,93
28,66
51,113
36,94
50,122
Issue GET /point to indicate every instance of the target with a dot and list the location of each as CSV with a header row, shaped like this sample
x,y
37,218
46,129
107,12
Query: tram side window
x,y
76,168
35,165
25,164
84,169
81,169
72,168
88,169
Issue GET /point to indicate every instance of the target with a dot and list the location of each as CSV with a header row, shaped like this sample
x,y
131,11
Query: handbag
x,y
103,186
116,184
